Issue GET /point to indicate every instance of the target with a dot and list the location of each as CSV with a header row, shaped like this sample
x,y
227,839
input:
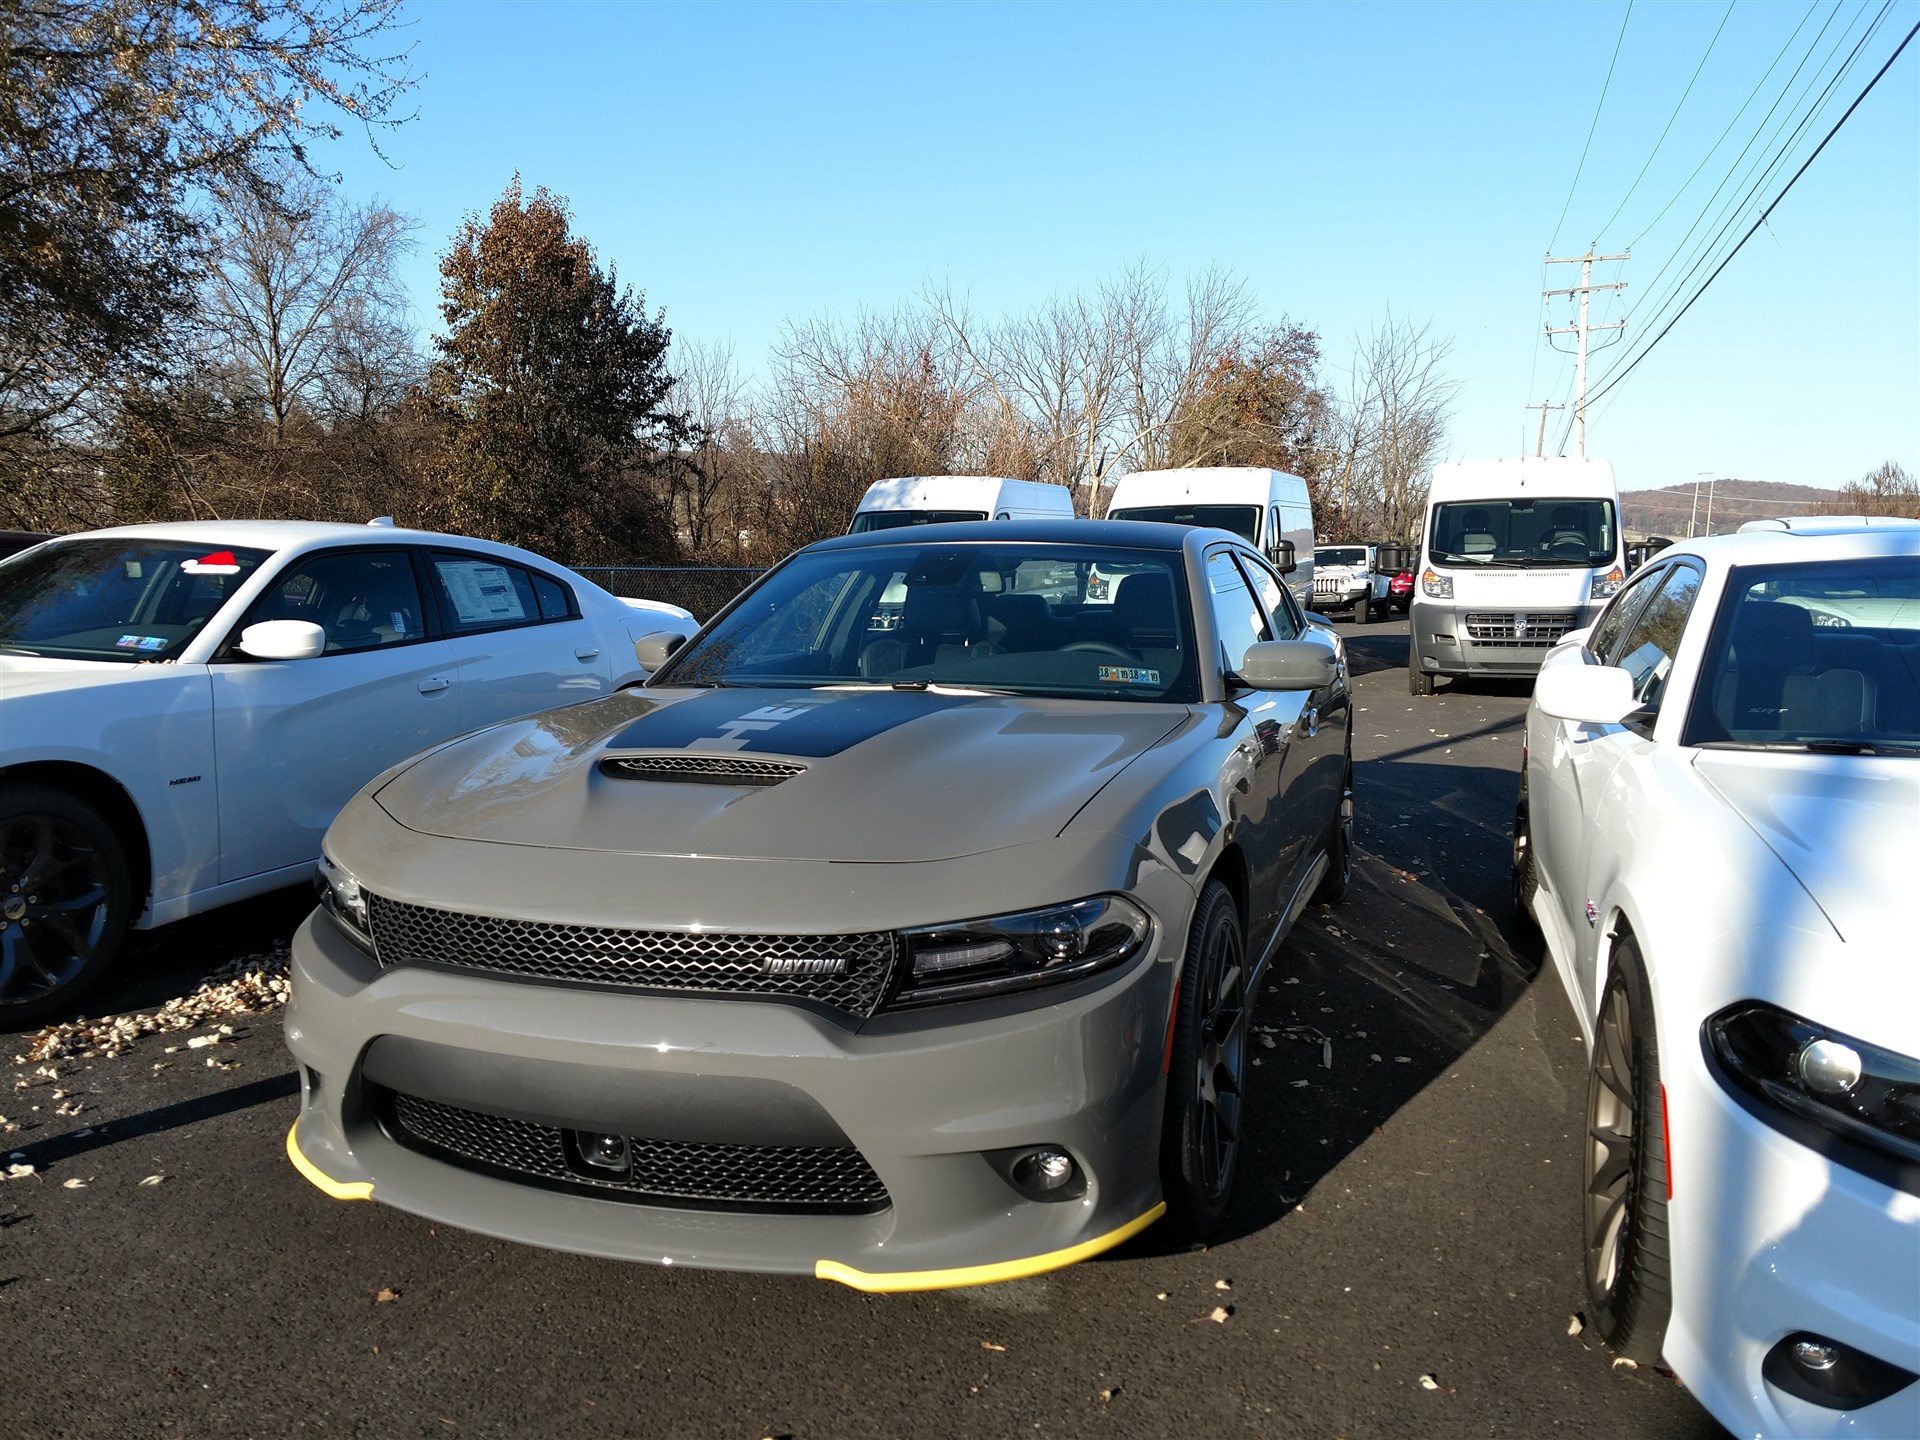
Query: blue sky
x,y
747,165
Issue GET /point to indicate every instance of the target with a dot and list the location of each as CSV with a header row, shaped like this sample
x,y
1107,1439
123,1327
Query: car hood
x,y
1843,824
889,776
22,675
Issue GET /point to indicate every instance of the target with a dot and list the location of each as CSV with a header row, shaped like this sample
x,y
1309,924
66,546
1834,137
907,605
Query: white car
x,y
184,708
1718,829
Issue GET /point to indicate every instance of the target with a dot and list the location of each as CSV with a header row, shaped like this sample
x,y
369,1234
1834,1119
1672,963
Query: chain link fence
x,y
701,589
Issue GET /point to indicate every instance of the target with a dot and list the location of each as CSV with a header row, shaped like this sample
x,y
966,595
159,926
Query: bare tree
x,y
1388,429
709,393
1885,490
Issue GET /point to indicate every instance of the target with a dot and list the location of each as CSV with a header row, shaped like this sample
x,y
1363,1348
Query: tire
x,y
1334,885
65,901
1419,682
1526,875
1624,1195
1360,609
1206,1080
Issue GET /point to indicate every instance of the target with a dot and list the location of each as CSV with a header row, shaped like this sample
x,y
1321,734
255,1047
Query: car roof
x,y
1796,538
1127,534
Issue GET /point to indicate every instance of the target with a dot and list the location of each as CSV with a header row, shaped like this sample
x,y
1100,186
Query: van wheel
x,y
1419,682
65,898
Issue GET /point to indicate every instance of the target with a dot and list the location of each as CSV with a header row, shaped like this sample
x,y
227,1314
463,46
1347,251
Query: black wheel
x,y
64,901
1526,877
1419,682
1360,609
1333,886
1200,1135
1625,1201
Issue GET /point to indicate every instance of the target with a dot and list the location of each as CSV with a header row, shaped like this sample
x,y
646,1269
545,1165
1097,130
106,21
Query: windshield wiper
x,y
1821,747
21,650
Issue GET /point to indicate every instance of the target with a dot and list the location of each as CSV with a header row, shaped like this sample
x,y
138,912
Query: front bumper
x,y
926,1099
1771,1239
1340,599
1442,644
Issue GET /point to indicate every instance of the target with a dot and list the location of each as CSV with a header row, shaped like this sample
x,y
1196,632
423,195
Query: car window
x,y
363,599
1606,634
1647,651
478,592
999,616
1281,611
1236,613
556,601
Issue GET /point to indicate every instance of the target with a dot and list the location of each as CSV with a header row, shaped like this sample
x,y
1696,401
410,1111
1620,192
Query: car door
x,y
1320,739
1593,834
294,739
1258,772
518,636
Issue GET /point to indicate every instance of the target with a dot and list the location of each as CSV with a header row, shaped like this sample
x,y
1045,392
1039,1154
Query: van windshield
x,y
1242,520
893,519
1527,532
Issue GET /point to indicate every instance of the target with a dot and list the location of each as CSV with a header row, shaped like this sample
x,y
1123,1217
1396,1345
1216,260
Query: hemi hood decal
x,y
809,723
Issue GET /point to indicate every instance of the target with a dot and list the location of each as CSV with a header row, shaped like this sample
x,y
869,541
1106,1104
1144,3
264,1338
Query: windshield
x,y
1242,520
1347,555
1523,532
893,519
130,599
1011,618
1819,655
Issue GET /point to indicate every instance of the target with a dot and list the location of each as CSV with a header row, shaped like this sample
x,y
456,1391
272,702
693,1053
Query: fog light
x,y
604,1152
1829,1068
1815,1354
1043,1171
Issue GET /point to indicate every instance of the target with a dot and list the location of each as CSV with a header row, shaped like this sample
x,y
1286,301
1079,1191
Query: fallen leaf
x,y
384,1294
153,1180
74,1184
1223,1284
1108,1393
989,1345
1220,1314
1621,1362
1575,1325
1267,1042
19,1172
1161,1296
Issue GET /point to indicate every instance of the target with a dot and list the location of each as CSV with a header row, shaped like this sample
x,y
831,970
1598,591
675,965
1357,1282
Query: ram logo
x,y
796,965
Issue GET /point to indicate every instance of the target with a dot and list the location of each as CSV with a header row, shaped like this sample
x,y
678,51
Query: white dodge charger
x,y
184,708
1719,820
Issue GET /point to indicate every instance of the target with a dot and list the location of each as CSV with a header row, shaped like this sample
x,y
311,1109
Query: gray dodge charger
x,y
903,929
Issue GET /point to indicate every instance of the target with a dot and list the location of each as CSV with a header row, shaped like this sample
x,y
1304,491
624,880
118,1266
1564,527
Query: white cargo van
x,y
1513,555
936,499
1268,507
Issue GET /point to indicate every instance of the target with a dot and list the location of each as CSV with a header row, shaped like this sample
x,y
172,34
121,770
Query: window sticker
x,y
220,562
1129,675
481,593
141,642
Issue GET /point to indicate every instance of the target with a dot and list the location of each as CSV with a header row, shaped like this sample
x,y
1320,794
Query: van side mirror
x,y
1282,556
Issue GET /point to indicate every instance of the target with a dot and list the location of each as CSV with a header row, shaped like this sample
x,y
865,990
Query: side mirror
x,y
652,650
283,640
1282,557
1585,694
1289,665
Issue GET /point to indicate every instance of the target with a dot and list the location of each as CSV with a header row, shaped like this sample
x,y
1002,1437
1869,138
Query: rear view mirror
x,y
653,650
283,640
1282,557
1289,665
1585,694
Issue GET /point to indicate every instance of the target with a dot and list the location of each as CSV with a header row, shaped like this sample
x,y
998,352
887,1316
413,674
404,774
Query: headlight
x,y
1604,585
1856,1103
1017,952
343,900
1436,586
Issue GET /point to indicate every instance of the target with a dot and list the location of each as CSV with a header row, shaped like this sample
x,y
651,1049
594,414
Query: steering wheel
x,y
1101,647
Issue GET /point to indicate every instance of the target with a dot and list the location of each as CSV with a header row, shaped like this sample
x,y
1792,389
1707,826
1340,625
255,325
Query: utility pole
x,y
1715,480
1582,329
1694,513
1540,445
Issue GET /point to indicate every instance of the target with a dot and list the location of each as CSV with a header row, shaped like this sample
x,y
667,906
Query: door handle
x,y
434,685
593,654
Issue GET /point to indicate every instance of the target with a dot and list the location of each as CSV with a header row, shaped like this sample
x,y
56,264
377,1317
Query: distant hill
x,y
1665,511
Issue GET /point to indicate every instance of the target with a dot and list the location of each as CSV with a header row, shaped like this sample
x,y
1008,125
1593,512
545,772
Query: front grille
x,y
701,769
813,1178
847,972
1521,630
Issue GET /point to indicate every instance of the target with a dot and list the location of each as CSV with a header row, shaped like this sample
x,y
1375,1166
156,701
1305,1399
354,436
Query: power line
x,y
1703,256
1605,86
1670,119
1615,380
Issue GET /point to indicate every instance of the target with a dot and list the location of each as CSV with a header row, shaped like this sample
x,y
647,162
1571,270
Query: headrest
x,y
1772,630
1144,601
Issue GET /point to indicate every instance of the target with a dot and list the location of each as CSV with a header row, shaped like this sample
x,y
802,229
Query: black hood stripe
x,y
808,723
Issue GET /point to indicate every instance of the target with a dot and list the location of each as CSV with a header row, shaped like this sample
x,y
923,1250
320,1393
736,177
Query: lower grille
x,y
1521,630
847,972
786,1178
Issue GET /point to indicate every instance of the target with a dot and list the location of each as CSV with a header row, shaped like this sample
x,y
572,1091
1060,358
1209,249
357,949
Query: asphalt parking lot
x,y
1402,1258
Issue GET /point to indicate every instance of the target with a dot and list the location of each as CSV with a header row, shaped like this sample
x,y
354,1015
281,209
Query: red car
x,y
1400,591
